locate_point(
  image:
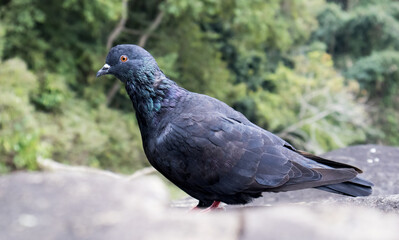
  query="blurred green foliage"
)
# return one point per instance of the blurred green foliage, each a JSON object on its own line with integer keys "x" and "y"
{"x": 19, "y": 129}
{"x": 320, "y": 111}
{"x": 318, "y": 73}
{"x": 363, "y": 38}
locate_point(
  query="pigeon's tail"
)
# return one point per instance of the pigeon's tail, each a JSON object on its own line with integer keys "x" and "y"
{"x": 356, "y": 187}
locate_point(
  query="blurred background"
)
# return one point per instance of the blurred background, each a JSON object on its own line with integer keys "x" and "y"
{"x": 320, "y": 74}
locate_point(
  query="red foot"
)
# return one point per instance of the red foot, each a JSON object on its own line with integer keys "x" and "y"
{"x": 214, "y": 205}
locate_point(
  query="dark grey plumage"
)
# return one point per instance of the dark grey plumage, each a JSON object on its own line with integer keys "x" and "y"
{"x": 211, "y": 151}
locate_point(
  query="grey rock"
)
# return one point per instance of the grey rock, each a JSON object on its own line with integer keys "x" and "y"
{"x": 305, "y": 222}
{"x": 389, "y": 203}
{"x": 380, "y": 164}
{"x": 67, "y": 205}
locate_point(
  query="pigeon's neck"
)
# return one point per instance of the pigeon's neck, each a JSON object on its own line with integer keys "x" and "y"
{"x": 150, "y": 93}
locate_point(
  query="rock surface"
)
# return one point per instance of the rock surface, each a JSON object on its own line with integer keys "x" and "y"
{"x": 68, "y": 205}
{"x": 321, "y": 222}
{"x": 380, "y": 164}
{"x": 90, "y": 205}
{"x": 388, "y": 203}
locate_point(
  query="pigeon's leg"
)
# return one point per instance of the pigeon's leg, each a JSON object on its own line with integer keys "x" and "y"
{"x": 214, "y": 206}
{"x": 206, "y": 206}
{"x": 209, "y": 207}
{"x": 203, "y": 205}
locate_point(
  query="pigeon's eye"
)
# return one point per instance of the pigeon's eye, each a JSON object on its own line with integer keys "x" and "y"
{"x": 123, "y": 58}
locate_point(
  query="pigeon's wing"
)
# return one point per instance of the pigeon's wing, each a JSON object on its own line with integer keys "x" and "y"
{"x": 218, "y": 154}
{"x": 326, "y": 162}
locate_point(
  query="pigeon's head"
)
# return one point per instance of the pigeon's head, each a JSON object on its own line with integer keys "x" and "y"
{"x": 128, "y": 62}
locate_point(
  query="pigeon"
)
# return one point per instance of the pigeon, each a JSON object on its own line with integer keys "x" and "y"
{"x": 211, "y": 151}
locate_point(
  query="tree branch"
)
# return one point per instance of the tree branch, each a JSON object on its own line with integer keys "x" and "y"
{"x": 306, "y": 121}
{"x": 142, "y": 41}
{"x": 132, "y": 31}
{"x": 154, "y": 25}
{"x": 111, "y": 38}
{"x": 112, "y": 92}
{"x": 120, "y": 26}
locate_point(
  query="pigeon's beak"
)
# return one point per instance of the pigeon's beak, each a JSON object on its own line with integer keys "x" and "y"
{"x": 103, "y": 70}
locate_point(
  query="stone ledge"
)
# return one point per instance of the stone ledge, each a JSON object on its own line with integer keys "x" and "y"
{"x": 67, "y": 205}
{"x": 90, "y": 204}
